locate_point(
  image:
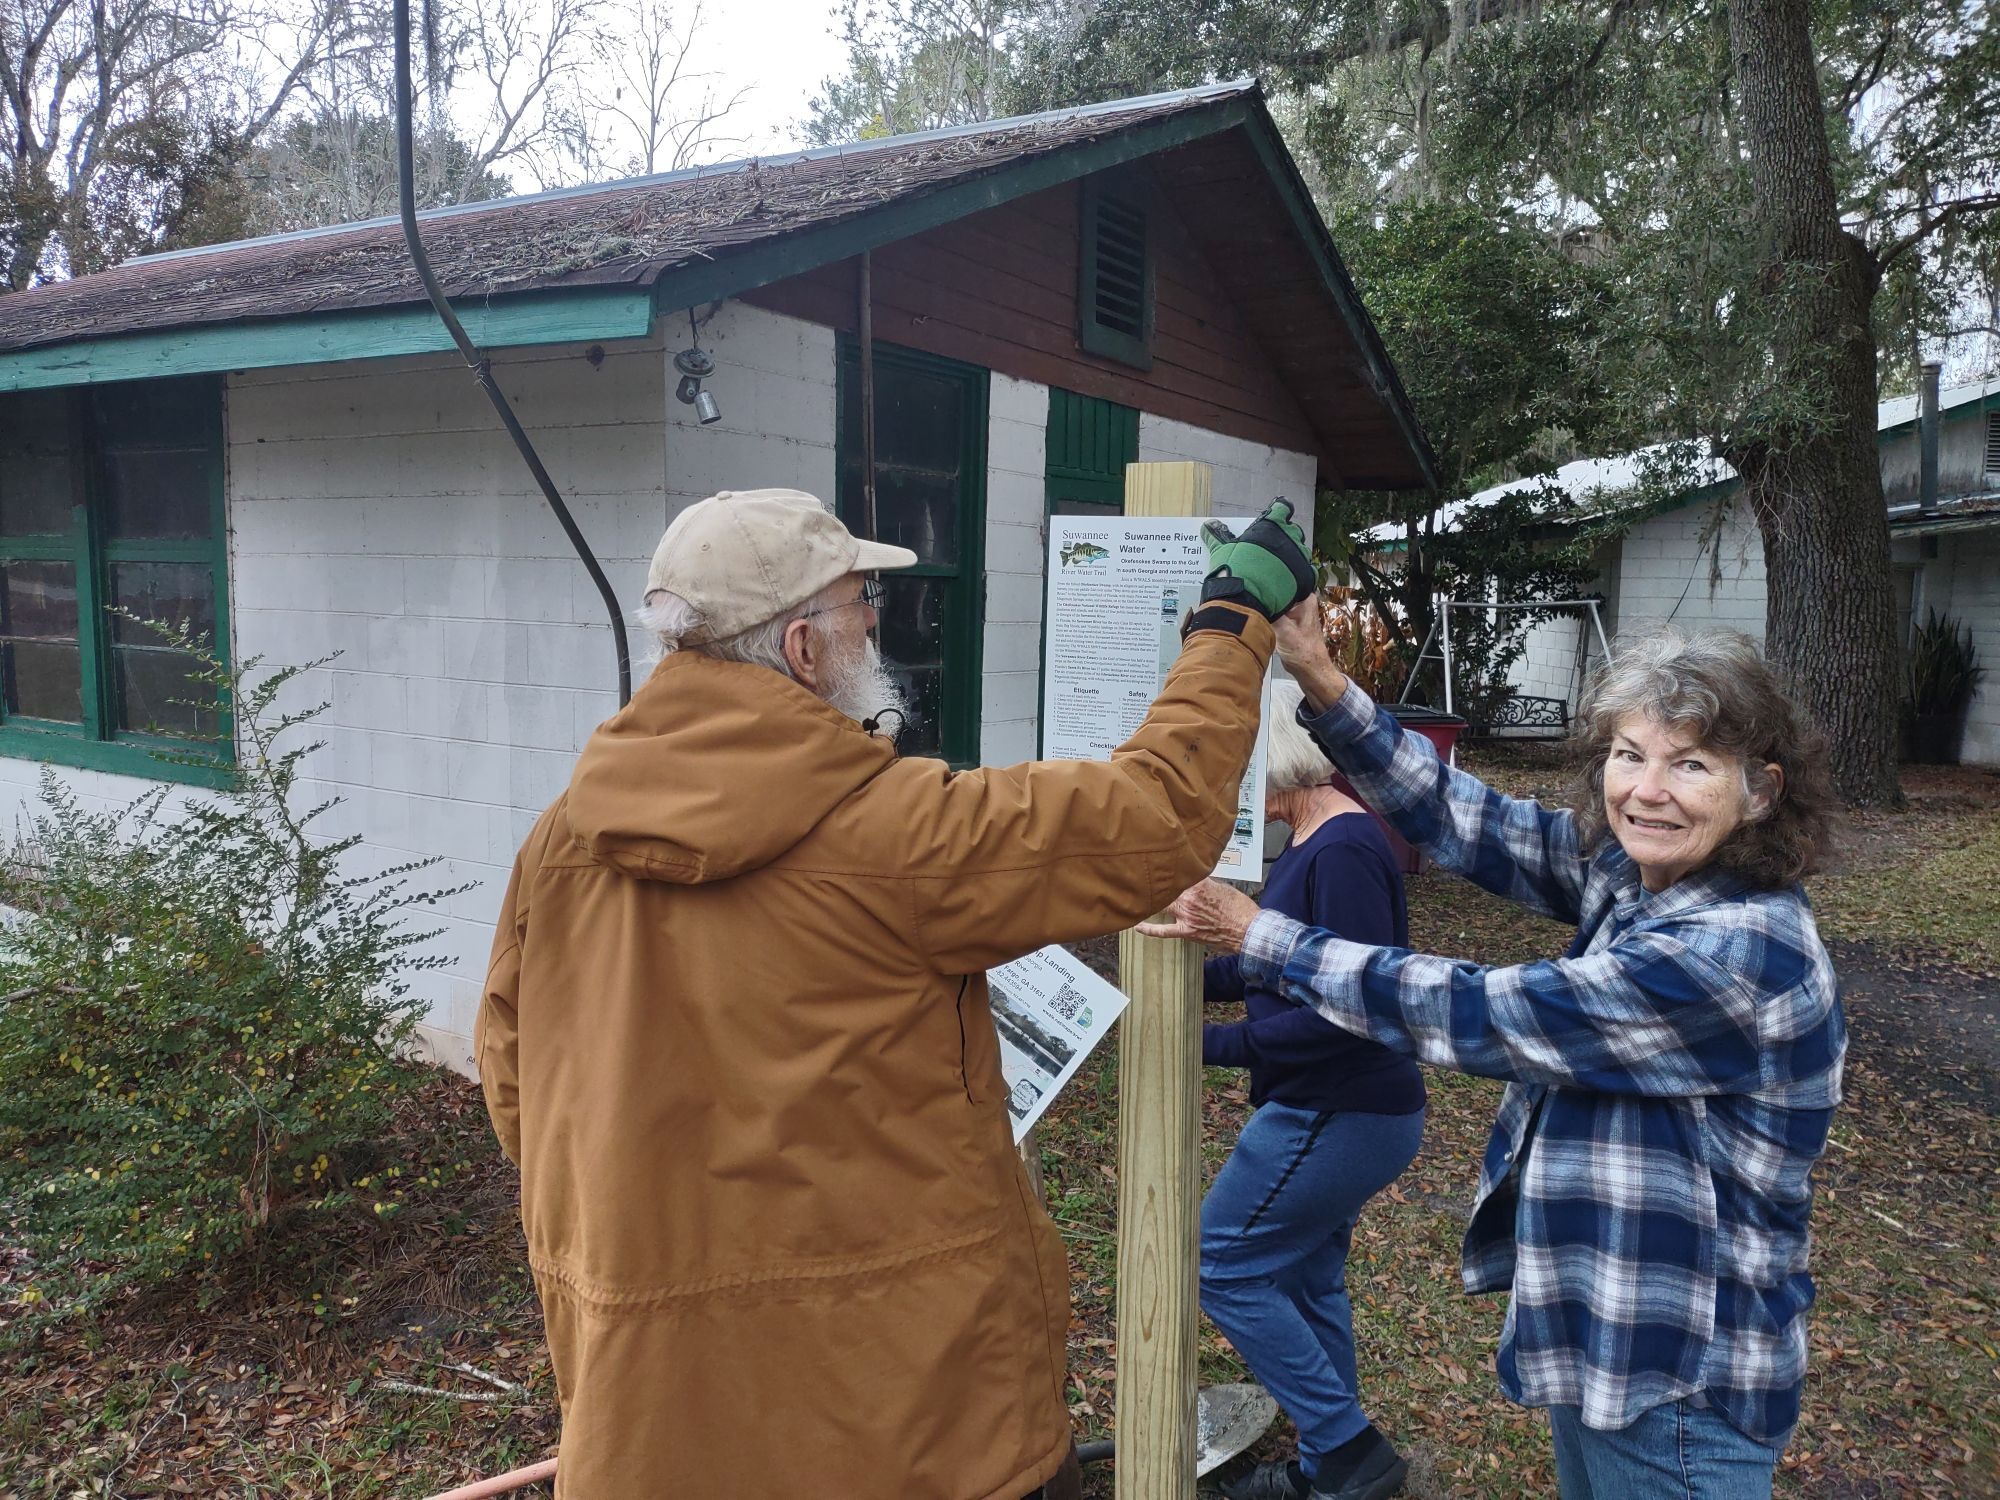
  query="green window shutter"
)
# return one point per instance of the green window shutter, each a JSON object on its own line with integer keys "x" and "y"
{"x": 1114, "y": 295}
{"x": 1090, "y": 441}
{"x": 141, "y": 467}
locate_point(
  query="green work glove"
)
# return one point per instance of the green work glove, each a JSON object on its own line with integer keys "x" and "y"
{"x": 1266, "y": 567}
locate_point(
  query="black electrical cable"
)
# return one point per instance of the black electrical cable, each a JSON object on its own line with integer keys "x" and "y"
{"x": 480, "y": 365}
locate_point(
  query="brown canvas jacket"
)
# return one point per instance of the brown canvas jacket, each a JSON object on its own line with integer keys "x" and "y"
{"x": 736, "y": 1035}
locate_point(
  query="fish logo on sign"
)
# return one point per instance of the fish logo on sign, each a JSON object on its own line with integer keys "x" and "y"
{"x": 1084, "y": 555}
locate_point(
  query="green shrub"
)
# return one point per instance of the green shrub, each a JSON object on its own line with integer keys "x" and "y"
{"x": 202, "y": 1015}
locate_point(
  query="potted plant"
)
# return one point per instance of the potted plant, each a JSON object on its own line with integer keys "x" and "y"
{"x": 1944, "y": 670}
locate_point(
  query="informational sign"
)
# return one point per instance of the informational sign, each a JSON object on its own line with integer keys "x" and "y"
{"x": 1050, "y": 1012}
{"x": 1119, "y": 587}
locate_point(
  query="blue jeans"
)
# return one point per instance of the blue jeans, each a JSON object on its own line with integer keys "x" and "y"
{"x": 1274, "y": 1235}
{"x": 1674, "y": 1452}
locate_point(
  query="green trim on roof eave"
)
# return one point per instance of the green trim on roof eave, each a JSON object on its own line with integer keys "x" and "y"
{"x": 593, "y": 314}
{"x": 771, "y": 260}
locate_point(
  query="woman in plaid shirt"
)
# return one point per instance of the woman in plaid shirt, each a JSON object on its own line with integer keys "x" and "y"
{"x": 1672, "y": 1077}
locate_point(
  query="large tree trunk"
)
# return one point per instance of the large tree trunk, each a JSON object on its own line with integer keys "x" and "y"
{"x": 1814, "y": 485}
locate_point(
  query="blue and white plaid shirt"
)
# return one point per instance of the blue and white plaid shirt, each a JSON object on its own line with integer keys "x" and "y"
{"x": 1672, "y": 1080}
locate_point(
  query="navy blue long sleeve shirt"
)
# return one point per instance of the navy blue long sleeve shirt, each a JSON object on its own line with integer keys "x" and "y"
{"x": 1343, "y": 879}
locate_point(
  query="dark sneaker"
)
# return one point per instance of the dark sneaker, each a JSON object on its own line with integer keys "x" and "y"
{"x": 1281, "y": 1479}
{"x": 1376, "y": 1477}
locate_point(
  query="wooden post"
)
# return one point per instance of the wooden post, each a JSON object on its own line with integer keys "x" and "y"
{"x": 1159, "y": 1151}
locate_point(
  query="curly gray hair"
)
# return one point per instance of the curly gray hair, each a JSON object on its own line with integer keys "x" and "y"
{"x": 1717, "y": 689}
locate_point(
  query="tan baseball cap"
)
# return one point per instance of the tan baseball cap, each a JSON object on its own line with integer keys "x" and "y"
{"x": 742, "y": 557}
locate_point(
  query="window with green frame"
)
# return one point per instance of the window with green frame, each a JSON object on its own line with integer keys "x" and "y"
{"x": 930, "y": 496}
{"x": 111, "y": 503}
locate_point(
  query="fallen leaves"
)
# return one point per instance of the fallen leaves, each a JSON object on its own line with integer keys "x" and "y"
{"x": 287, "y": 1385}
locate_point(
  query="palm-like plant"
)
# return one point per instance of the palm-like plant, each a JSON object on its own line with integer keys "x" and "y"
{"x": 1943, "y": 667}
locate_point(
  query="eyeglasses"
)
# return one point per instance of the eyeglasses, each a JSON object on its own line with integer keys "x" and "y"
{"x": 874, "y": 594}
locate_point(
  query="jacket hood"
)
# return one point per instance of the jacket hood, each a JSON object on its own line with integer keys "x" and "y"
{"x": 715, "y": 768}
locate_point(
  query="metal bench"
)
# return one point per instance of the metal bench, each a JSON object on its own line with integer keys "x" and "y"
{"x": 1526, "y": 716}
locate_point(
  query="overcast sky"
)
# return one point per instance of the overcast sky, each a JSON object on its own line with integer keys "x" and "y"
{"x": 780, "y": 50}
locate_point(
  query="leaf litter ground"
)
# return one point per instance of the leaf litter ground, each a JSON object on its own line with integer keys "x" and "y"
{"x": 400, "y": 1357}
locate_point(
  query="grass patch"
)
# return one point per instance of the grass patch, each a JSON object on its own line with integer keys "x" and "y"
{"x": 282, "y": 1388}
{"x": 284, "y": 1385}
{"x": 1924, "y": 884}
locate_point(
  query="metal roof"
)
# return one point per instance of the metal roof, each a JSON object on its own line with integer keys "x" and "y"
{"x": 1901, "y": 411}
{"x": 1979, "y": 511}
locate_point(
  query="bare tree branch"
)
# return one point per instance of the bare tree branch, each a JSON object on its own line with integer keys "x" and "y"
{"x": 668, "y": 108}
{"x": 114, "y": 113}
{"x": 1933, "y": 218}
{"x": 501, "y": 36}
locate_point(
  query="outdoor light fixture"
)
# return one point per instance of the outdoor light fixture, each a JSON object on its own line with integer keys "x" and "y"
{"x": 696, "y": 365}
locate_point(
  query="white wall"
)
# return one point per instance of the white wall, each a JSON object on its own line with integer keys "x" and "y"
{"x": 774, "y": 380}
{"x": 1248, "y": 476}
{"x": 1016, "y": 490}
{"x": 1961, "y": 458}
{"x": 1553, "y": 659}
{"x": 376, "y": 509}
{"x": 1963, "y": 581}
{"x": 1697, "y": 567}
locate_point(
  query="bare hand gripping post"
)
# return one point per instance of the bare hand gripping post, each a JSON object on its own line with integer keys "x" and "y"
{"x": 480, "y": 365}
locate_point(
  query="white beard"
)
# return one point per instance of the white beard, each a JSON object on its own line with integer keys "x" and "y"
{"x": 862, "y": 688}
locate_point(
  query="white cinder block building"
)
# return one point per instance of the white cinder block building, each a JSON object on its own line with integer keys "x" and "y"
{"x": 1698, "y": 561}
{"x": 266, "y": 438}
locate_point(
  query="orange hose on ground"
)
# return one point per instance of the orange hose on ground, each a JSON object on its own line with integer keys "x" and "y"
{"x": 502, "y": 1484}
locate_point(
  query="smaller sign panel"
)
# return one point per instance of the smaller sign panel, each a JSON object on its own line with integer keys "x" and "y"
{"x": 1050, "y": 1011}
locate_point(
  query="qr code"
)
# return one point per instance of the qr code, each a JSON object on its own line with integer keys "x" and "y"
{"x": 1067, "y": 1001}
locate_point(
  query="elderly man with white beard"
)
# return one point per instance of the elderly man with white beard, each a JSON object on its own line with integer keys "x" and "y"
{"x": 736, "y": 1033}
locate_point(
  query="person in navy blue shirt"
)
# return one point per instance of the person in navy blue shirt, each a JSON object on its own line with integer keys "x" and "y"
{"x": 1338, "y": 1118}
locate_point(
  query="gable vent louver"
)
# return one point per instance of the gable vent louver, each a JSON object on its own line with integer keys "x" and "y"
{"x": 1993, "y": 443}
{"x": 1119, "y": 300}
{"x": 1116, "y": 293}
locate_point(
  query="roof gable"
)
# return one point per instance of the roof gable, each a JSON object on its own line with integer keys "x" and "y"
{"x": 618, "y": 234}
{"x": 699, "y": 235}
